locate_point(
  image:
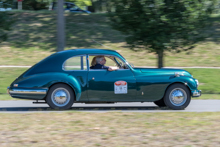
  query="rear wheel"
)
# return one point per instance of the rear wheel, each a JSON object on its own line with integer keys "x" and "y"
{"x": 177, "y": 97}
{"x": 60, "y": 96}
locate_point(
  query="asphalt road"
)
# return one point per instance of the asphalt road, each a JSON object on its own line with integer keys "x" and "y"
{"x": 27, "y": 107}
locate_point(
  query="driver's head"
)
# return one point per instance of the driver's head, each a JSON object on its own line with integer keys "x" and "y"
{"x": 100, "y": 60}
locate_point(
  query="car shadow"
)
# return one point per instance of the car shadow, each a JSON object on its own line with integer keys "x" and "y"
{"x": 107, "y": 108}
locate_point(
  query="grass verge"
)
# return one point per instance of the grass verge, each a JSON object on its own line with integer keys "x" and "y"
{"x": 208, "y": 78}
{"x": 33, "y": 37}
{"x": 7, "y": 76}
{"x": 110, "y": 129}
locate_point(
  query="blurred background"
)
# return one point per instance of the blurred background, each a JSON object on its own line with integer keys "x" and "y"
{"x": 187, "y": 38}
{"x": 156, "y": 34}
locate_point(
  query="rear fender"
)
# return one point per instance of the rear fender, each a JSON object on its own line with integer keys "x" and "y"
{"x": 46, "y": 80}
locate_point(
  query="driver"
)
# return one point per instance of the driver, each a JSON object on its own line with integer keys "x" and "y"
{"x": 100, "y": 63}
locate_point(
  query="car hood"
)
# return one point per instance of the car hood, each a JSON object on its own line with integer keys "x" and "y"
{"x": 165, "y": 71}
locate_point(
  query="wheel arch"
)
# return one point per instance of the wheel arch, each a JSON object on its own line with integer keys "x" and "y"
{"x": 71, "y": 86}
{"x": 176, "y": 83}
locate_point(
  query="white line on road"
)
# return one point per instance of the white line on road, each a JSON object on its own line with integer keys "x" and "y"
{"x": 9, "y": 66}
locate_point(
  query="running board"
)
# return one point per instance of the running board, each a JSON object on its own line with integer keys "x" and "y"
{"x": 100, "y": 103}
{"x": 39, "y": 102}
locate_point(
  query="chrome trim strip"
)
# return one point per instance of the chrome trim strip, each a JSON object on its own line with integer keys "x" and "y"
{"x": 22, "y": 91}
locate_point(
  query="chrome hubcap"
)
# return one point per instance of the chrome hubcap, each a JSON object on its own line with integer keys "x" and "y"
{"x": 60, "y": 97}
{"x": 178, "y": 96}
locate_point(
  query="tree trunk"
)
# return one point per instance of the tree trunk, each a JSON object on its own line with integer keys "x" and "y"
{"x": 160, "y": 58}
{"x": 60, "y": 26}
{"x": 93, "y": 6}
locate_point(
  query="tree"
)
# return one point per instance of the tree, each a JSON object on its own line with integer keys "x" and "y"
{"x": 159, "y": 25}
{"x": 102, "y": 5}
{"x": 35, "y": 4}
{"x": 6, "y": 20}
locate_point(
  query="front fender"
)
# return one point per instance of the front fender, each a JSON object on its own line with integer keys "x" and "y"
{"x": 189, "y": 81}
{"x": 46, "y": 80}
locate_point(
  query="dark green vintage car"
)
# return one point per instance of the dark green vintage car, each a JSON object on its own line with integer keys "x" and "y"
{"x": 65, "y": 78}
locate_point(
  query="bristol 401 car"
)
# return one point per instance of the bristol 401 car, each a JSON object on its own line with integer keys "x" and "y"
{"x": 102, "y": 76}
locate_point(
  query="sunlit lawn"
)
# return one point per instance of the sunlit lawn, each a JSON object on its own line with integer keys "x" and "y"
{"x": 7, "y": 76}
{"x": 209, "y": 79}
{"x": 33, "y": 37}
{"x": 110, "y": 129}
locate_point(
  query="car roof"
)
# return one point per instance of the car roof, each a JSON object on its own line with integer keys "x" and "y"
{"x": 87, "y": 51}
{"x": 54, "y": 62}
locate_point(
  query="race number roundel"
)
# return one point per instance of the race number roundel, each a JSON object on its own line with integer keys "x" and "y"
{"x": 121, "y": 87}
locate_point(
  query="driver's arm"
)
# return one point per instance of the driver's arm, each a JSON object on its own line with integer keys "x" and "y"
{"x": 110, "y": 69}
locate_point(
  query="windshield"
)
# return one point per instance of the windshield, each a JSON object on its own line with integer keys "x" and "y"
{"x": 126, "y": 60}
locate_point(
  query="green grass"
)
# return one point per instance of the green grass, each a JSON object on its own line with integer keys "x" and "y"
{"x": 112, "y": 129}
{"x": 208, "y": 78}
{"x": 33, "y": 37}
{"x": 7, "y": 76}
{"x": 7, "y": 97}
{"x": 209, "y": 97}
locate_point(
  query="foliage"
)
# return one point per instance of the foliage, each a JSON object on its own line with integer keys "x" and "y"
{"x": 35, "y": 4}
{"x": 6, "y": 20}
{"x": 102, "y": 5}
{"x": 81, "y": 3}
{"x": 159, "y": 25}
{"x": 43, "y": 4}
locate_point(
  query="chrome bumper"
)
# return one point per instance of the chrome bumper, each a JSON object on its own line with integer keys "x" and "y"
{"x": 22, "y": 91}
{"x": 197, "y": 93}
{"x": 27, "y": 93}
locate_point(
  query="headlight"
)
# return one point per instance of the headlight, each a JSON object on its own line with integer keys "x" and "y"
{"x": 197, "y": 82}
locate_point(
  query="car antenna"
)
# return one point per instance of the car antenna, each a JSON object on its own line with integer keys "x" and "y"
{"x": 100, "y": 43}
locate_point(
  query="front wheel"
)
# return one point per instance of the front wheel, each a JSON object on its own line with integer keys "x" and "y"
{"x": 177, "y": 97}
{"x": 60, "y": 96}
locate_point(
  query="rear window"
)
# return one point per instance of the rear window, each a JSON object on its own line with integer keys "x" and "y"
{"x": 75, "y": 63}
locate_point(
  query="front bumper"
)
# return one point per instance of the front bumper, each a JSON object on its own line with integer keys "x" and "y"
{"x": 27, "y": 93}
{"x": 196, "y": 93}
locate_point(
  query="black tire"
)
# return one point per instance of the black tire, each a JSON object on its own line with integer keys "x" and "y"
{"x": 160, "y": 103}
{"x": 177, "y": 97}
{"x": 60, "y": 96}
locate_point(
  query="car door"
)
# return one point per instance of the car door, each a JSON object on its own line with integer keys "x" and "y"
{"x": 118, "y": 85}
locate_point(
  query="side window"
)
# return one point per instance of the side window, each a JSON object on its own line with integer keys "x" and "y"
{"x": 110, "y": 62}
{"x": 75, "y": 63}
